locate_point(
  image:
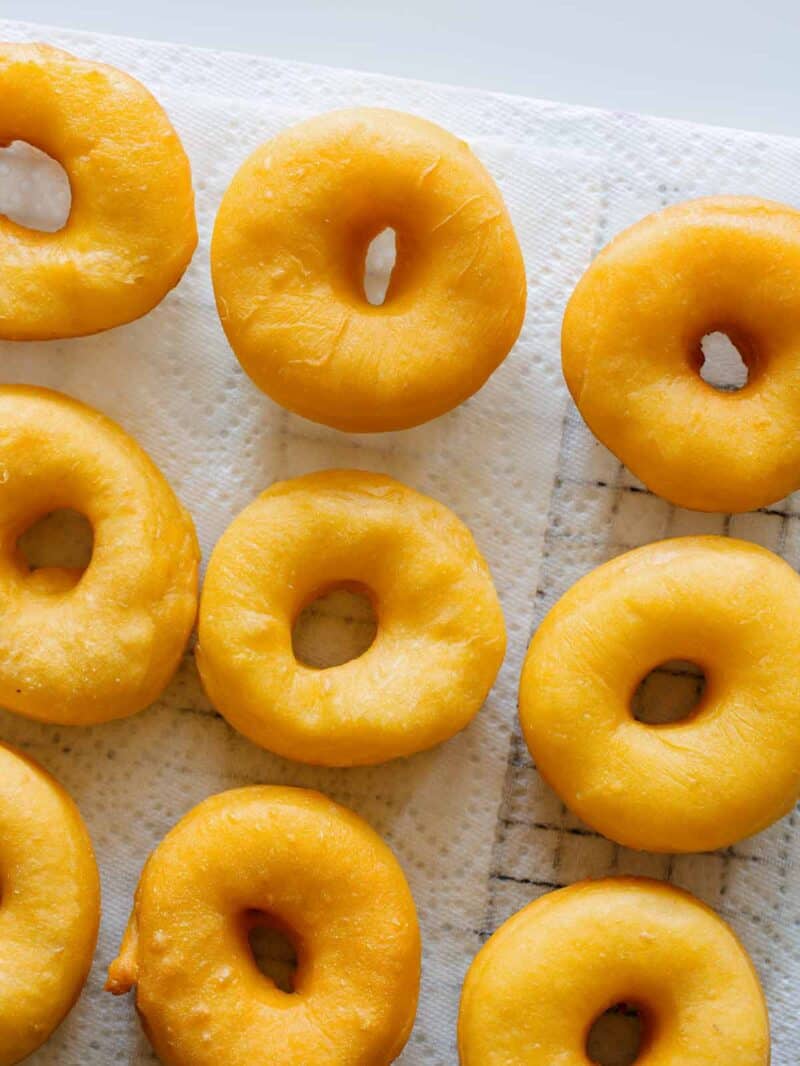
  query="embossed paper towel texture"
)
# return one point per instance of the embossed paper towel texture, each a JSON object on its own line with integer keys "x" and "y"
{"x": 477, "y": 832}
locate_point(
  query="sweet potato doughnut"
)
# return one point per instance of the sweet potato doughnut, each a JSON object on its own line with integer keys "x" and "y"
{"x": 535, "y": 988}
{"x": 316, "y": 870}
{"x": 631, "y": 351}
{"x": 104, "y": 647}
{"x": 131, "y": 230}
{"x": 728, "y": 770}
{"x": 288, "y": 254}
{"x": 440, "y": 640}
{"x": 50, "y": 905}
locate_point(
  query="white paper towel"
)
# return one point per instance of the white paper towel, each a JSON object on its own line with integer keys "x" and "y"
{"x": 477, "y": 832}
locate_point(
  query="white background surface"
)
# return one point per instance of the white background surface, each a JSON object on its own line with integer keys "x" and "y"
{"x": 729, "y": 62}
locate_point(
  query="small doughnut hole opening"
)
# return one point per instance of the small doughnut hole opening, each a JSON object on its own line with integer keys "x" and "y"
{"x": 616, "y": 1037}
{"x": 34, "y": 188}
{"x": 337, "y": 626}
{"x": 274, "y": 950}
{"x": 722, "y": 365}
{"x": 378, "y": 266}
{"x": 57, "y": 548}
{"x": 669, "y": 693}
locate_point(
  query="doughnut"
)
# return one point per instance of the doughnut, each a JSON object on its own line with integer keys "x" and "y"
{"x": 537, "y": 986}
{"x": 292, "y": 859}
{"x": 50, "y": 905}
{"x": 631, "y": 351}
{"x": 79, "y": 648}
{"x": 288, "y": 255}
{"x": 729, "y": 769}
{"x": 440, "y": 638}
{"x": 131, "y": 230}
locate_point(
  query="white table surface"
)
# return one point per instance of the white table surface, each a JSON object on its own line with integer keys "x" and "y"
{"x": 729, "y": 62}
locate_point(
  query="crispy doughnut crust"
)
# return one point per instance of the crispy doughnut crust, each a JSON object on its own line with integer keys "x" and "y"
{"x": 311, "y": 867}
{"x": 631, "y": 351}
{"x": 440, "y": 640}
{"x": 536, "y": 987}
{"x": 106, "y": 646}
{"x": 287, "y": 259}
{"x": 50, "y": 905}
{"x": 131, "y": 230}
{"x": 728, "y": 770}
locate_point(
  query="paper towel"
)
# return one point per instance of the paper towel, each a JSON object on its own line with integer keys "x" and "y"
{"x": 476, "y": 830}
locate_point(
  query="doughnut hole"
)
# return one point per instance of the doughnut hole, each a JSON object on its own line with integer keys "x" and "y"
{"x": 34, "y": 188}
{"x": 379, "y": 263}
{"x": 671, "y": 692}
{"x": 725, "y": 363}
{"x": 274, "y": 948}
{"x": 617, "y": 1037}
{"x": 338, "y": 625}
{"x": 56, "y": 549}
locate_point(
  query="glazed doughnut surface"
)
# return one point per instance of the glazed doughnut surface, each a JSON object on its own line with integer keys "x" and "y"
{"x": 728, "y": 770}
{"x": 78, "y": 649}
{"x": 288, "y": 255}
{"x": 440, "y": 639}
{"x": 131, "y": 230}
{"x": 50, "y": 905}
{"x": 317, "y": 870}
{"x": 631, "y": 351}
{"x": 537, "y": 985}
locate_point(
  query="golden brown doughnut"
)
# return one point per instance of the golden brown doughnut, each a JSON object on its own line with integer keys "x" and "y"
{"x": 288, "y": 254}
{"x": 131, "y": 230}
{"x": 631, "y": 351}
